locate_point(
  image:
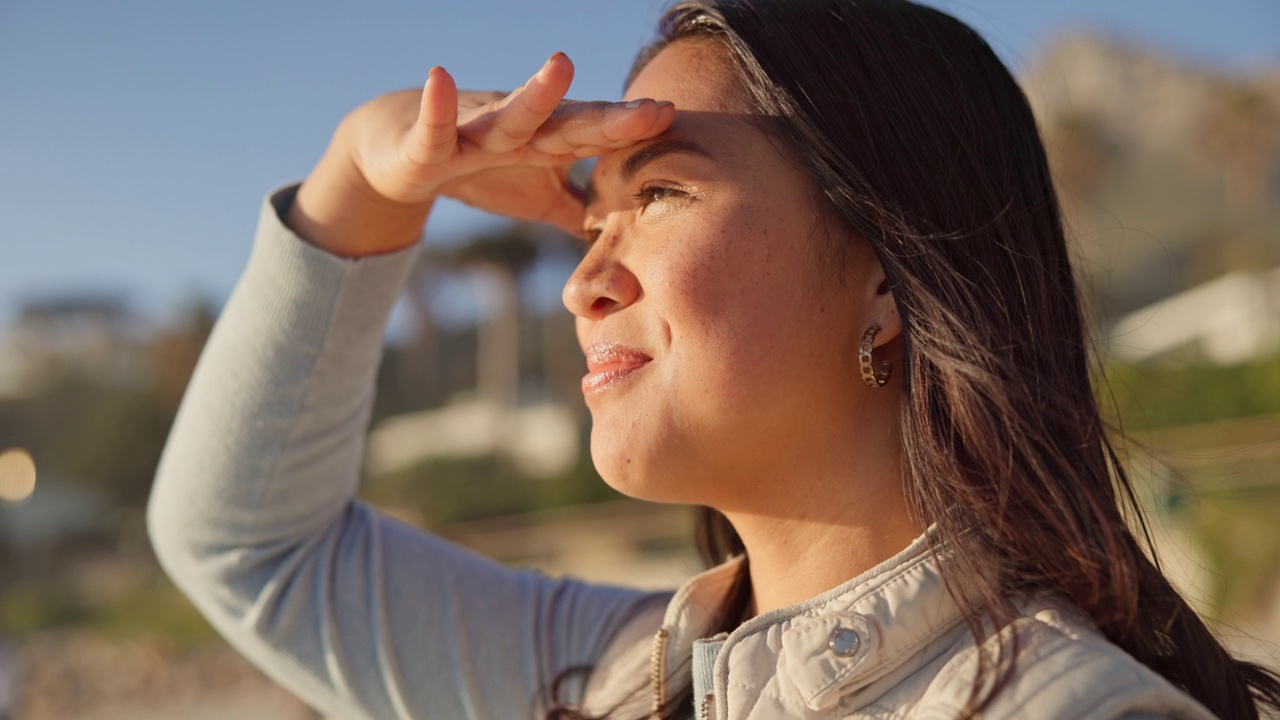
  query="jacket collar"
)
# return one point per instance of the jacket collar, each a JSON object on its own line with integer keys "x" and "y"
{"x": 854, "y": 639}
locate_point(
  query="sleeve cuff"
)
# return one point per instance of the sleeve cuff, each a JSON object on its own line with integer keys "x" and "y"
{"x": 308, "y": 289}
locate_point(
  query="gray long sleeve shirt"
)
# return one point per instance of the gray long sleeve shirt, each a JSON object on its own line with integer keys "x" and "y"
{"x": 254, "y": 516}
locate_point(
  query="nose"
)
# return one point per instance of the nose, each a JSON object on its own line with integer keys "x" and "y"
{"x": 601, "y": 284}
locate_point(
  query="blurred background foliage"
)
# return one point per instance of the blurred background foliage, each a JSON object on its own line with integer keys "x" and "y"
{"x": 1170, "y": 178}
{"x": 1160, "y": 394}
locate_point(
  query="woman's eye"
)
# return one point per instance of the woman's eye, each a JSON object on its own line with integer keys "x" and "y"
{"x": 653, "y": 193}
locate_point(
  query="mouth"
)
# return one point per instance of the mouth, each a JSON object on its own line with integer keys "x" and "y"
{"x": 608, "y": 364}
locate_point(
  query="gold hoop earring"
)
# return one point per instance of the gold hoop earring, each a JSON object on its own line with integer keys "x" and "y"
{"x": 869, "y": 374}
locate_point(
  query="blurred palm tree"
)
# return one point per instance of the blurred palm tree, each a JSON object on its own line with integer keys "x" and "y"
{"x": 502, "y": 257}
{"x": 418, "y": 372}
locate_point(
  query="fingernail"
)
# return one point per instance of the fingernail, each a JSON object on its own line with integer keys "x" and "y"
{"x": 665, "y": 104}
{"x": 554, "y": 55}
{"x": 635, "y": 104}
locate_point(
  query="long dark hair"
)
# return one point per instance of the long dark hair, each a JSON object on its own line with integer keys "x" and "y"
{"x": 918, "y": 140}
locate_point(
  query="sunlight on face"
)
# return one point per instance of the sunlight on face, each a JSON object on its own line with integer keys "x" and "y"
{"x": 718, "y": 357}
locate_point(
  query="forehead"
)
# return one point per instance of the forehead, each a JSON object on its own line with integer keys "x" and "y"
{"x": 699, "y": 77}
{"x": 695, "y": 74}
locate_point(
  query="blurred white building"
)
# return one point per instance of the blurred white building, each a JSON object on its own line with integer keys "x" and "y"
{"x": 542, "y": 439}
{"x": 1233, "y": 319}
{"x": 94, "y": 335}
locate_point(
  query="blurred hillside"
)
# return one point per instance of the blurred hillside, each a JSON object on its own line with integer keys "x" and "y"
{"x": 1169, "y": 172}
{"x": 1170, "y": 178}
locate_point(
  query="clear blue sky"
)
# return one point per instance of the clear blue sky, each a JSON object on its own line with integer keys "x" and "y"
{"x": 137, "y": 138}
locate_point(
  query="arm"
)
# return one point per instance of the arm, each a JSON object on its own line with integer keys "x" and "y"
{"x": 253, "y": 516}
{"x": 253, "y": 511}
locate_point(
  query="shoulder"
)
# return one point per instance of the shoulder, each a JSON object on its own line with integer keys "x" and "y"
{"x": 1065, "y": 668}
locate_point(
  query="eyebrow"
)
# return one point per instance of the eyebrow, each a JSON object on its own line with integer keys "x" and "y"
{"x": 645, "y": 155}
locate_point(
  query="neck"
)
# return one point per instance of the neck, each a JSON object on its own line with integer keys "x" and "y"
{"x": 794, "y": 560}
{"x": 831, "y": 527}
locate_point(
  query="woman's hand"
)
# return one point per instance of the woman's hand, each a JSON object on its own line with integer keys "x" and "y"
{"x": 510, "y": 155}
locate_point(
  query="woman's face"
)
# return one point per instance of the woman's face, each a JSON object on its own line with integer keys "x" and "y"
{"x": 720, "y": 351}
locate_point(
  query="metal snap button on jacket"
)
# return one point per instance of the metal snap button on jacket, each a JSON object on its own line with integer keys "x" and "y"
{"x": 844, "y": 642}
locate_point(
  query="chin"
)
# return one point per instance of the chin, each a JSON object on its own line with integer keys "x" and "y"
{"x": 623, "y": 474}
{"x": 632, "y": 475}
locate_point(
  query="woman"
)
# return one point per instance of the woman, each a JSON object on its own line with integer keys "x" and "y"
{"x": 825, "y": 293}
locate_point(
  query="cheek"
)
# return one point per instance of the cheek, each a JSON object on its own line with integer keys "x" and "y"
{"x": 734, "y": 295}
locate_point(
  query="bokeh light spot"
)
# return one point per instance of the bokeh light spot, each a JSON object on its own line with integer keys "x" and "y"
{"x": 17, "y": 475}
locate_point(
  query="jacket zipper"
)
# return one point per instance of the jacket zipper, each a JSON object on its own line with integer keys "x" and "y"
{"x": 706, "y": 707}
{"x": 658, "y": 672}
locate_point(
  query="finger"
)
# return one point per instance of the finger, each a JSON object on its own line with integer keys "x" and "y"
{"x": 514, "y": 120}
{"x": 565, "y": 209}
{"x": 585, "y": 129}
{"x": 434, "y": 136}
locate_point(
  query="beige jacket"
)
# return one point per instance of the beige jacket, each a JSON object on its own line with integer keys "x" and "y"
{"x": 887, "y": 644}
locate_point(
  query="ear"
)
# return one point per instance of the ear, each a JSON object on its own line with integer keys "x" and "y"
{"x": 882, "y": 310}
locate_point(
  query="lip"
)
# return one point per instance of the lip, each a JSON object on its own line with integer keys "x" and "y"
{"x": 609, "y": 364}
